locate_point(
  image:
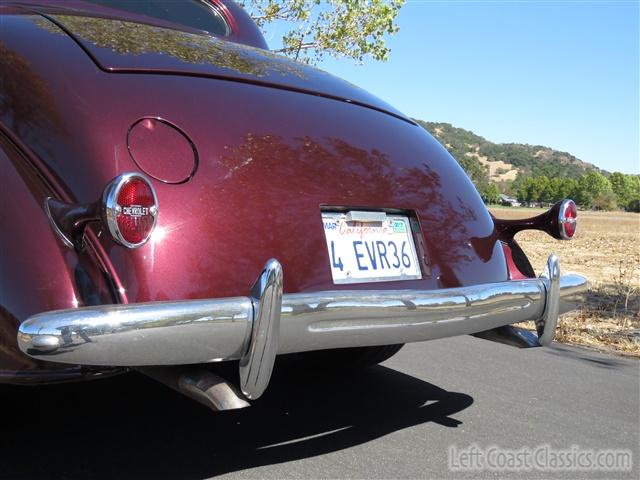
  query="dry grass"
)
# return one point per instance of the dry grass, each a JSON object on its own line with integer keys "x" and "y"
{"x": 606, "y": 249}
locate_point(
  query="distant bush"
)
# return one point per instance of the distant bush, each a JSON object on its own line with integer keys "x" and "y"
{"x": 634, "y": 206}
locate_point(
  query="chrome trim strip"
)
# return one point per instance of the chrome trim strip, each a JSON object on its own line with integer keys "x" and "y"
{"x": 255, "y": 329}
{"x": 256, "y": 364}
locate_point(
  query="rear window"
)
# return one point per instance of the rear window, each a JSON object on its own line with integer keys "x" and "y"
{"x": 198, "y": 14}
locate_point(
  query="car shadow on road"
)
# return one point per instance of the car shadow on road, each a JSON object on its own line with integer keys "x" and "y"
{"x": 133, "y": 427}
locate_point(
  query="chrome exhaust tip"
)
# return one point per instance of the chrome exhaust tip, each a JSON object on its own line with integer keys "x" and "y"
{"x": 199, "y": 384}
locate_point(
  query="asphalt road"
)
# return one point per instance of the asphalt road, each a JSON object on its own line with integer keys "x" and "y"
{"x": 393, "y": 421}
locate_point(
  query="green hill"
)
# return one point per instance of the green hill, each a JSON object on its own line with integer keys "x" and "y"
{"x": 502, "y": 162}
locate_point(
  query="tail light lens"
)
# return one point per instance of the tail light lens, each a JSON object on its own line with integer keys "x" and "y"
{"x": 130, "y": 209}
{"x": 567, "y": 219}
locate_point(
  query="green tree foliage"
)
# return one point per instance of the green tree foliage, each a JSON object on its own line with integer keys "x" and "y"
{"x": 340, "y": 28}
{"x": 626, "y": 189}
{"x": 591, "y": 187}
{"x": 457, "y": 141}
{"x": 533, "y": 189}
{"x": 490, "y": 193}
{"x": 568, "y": 188}
{"x": 592, "y": 190}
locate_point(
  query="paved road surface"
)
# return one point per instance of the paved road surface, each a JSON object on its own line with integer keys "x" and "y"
{"x": 393, "y": 421}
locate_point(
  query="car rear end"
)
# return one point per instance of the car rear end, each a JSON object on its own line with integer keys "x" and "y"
{"x": 291, "y": 211}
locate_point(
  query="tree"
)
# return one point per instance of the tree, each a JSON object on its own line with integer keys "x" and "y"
{"x": 605, "y": 201}
{"x": 568, "y": 189}
{"x": 592, "y": 190}
{"x": 521, "y": 187}
{"x": 634, "y": 205}
{"x": 340, "y": 28}
{"x": 590, "y": 187}
{"x": 554, "y": 190}
{"x": 625, "y": 187}
{"x": 545, "y": 190}
{"x": 534, "y": 189}
{"x": 491, "y": 193}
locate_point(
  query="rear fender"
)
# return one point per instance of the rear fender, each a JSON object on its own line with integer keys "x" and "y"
{"x": 37, "y": 272}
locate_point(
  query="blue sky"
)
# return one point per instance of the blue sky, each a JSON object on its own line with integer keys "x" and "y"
{"x": 563, "y": 74}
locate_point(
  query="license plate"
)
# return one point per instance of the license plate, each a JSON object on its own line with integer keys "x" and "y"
{"x": 370, "y": 247}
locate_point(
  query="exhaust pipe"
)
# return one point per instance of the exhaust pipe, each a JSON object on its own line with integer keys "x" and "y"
{"x": 509, "y": 335}
{"x": 200, "y": 385}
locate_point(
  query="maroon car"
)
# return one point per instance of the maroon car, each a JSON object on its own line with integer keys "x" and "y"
{"x": 174, "y": 195}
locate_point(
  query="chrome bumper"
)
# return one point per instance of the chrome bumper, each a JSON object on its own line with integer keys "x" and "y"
{"x": 254, "y": 329}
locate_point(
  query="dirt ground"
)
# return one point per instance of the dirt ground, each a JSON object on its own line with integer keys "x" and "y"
{"x": 606, "y": 249}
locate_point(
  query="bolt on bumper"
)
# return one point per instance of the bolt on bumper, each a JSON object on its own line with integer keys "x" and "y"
{"x": 255, "y": 329}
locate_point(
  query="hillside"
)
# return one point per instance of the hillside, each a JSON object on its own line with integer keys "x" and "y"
{"x": 502, "y": 162}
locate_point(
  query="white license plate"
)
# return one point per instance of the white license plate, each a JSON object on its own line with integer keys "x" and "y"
{"x": 378, "y": 249}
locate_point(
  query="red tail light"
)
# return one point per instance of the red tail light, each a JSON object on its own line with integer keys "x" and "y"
{"x": 567, "y": 219}
{"x": 130, "y": 209}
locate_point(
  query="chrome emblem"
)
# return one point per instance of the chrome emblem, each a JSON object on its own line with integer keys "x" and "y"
{"x": 135, "y": 211}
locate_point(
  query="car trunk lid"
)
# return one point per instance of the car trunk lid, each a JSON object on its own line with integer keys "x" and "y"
{"x": 123, "y": 46}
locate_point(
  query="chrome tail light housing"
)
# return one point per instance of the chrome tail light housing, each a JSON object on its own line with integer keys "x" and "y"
{"x": 567, "y": 219}
{"x": 130, "y": 209}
